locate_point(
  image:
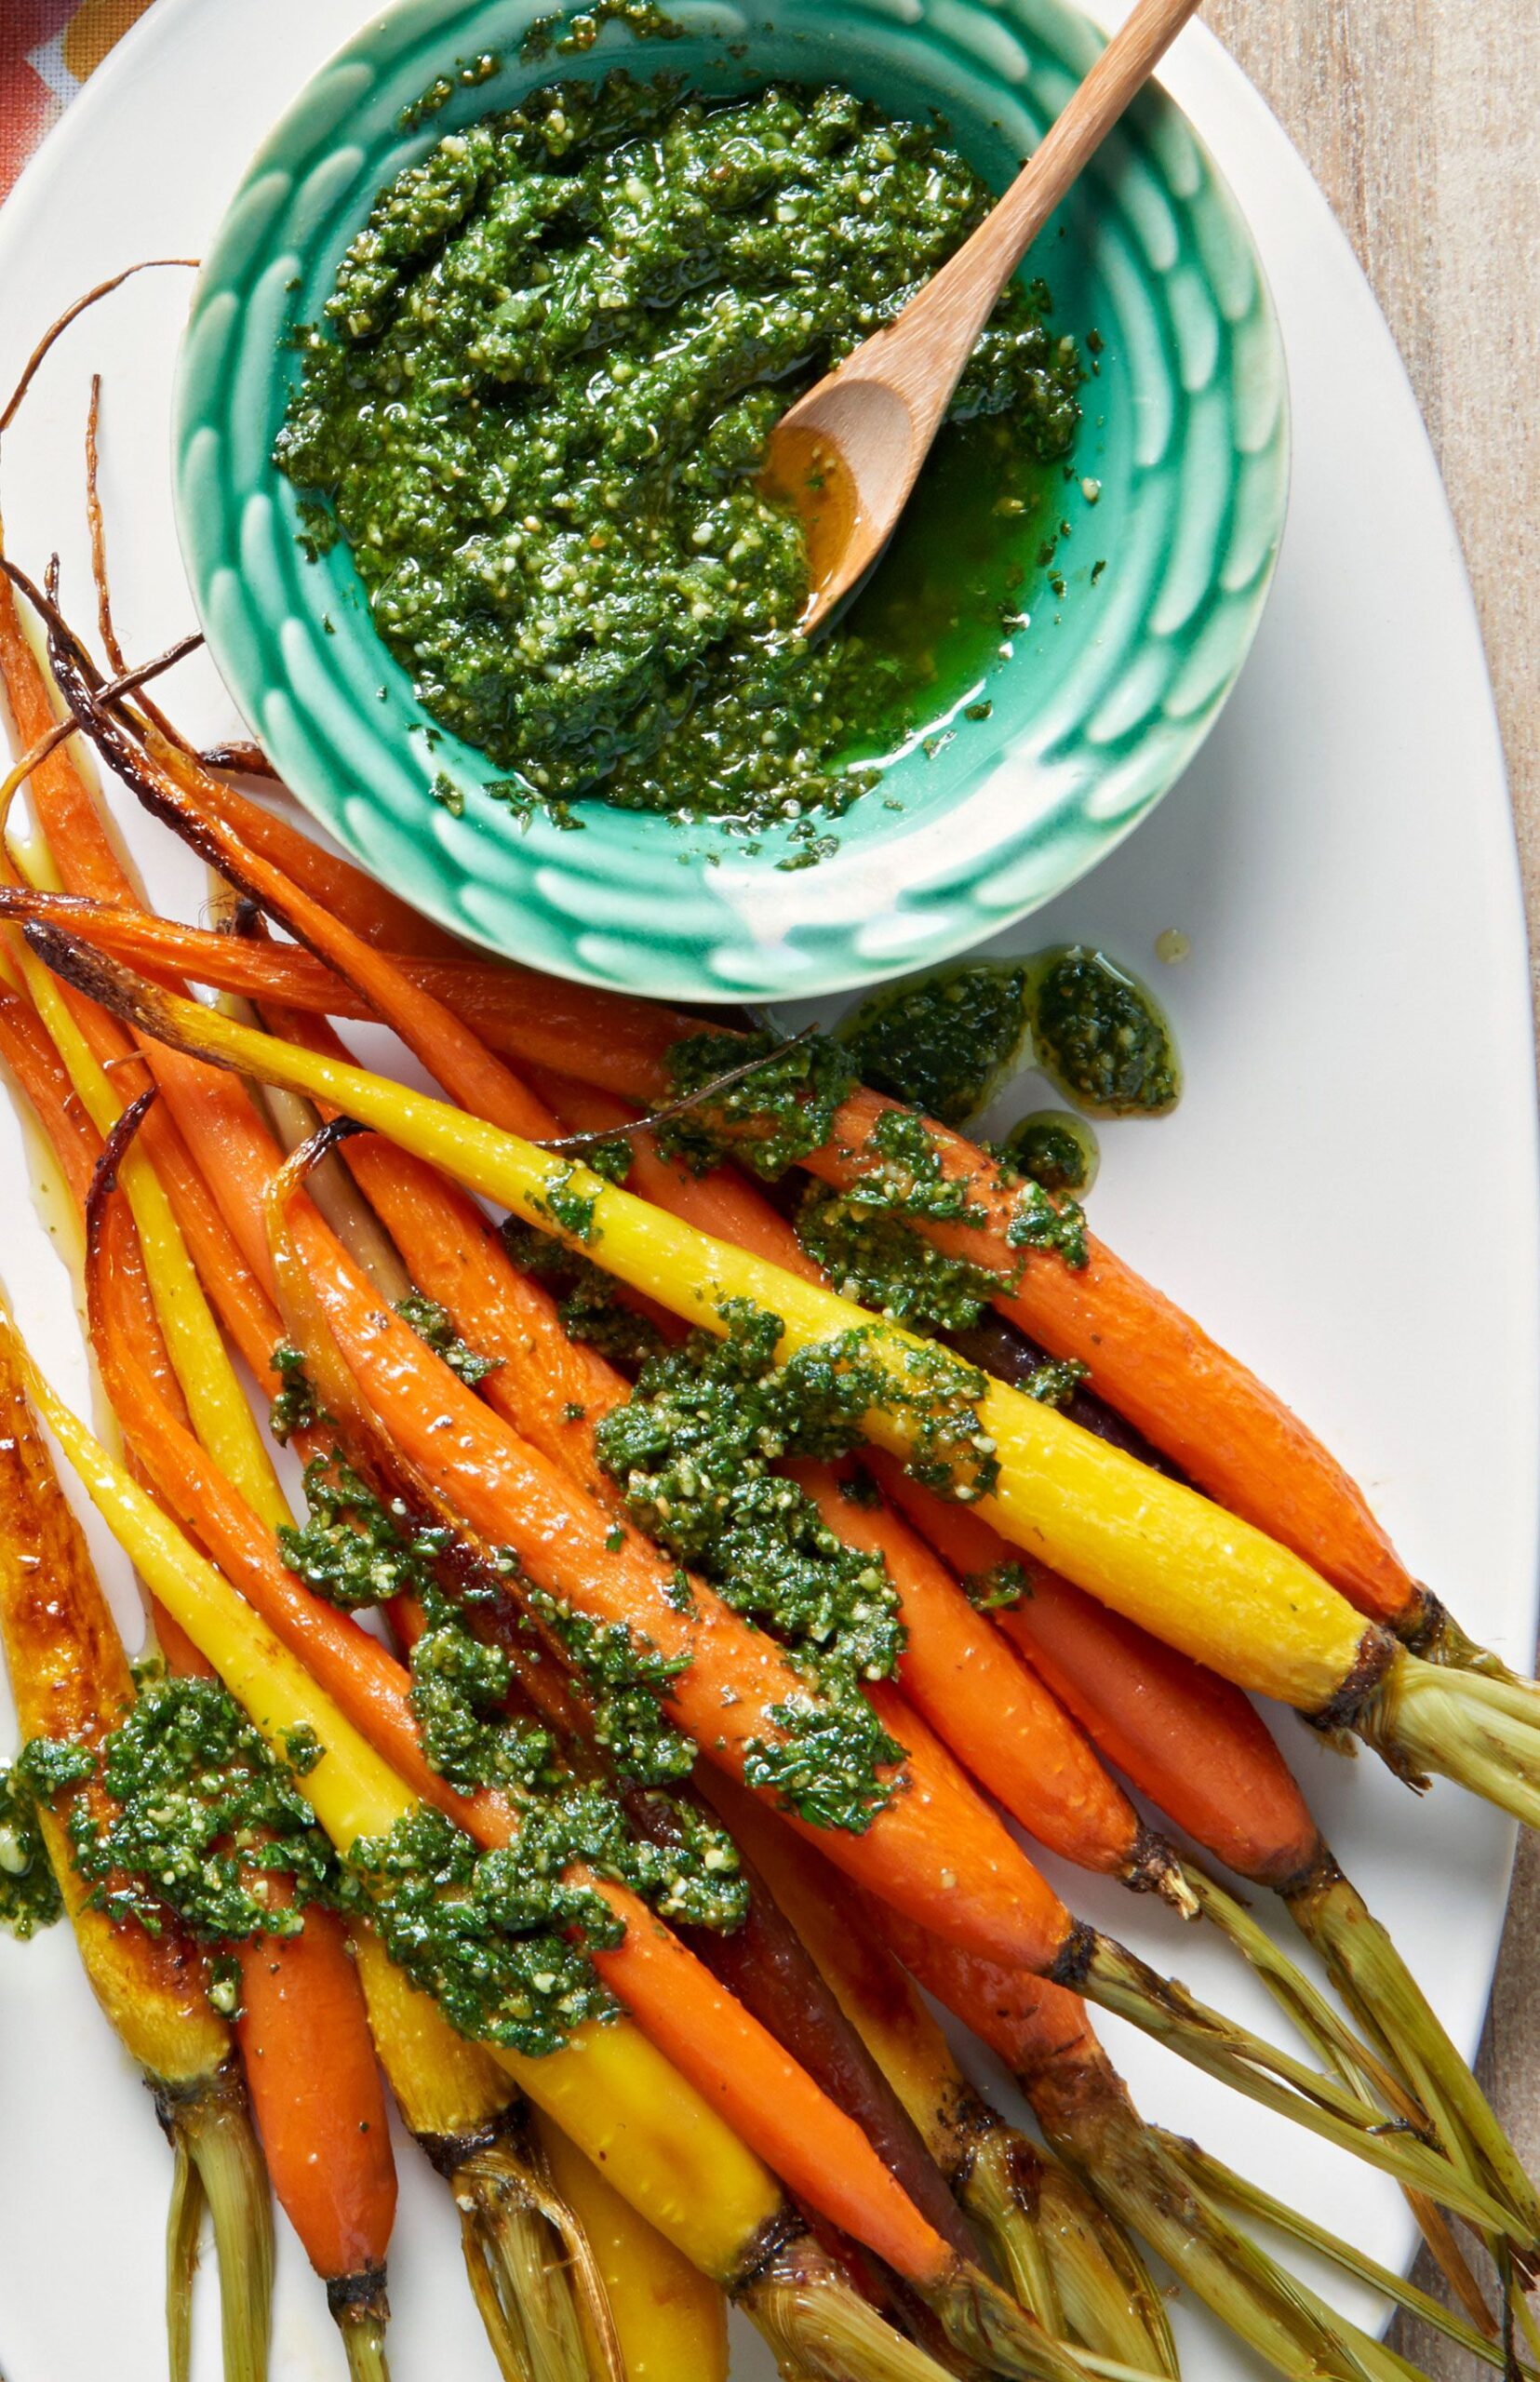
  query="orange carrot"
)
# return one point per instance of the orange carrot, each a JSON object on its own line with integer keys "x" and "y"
{"x": 980, "y": 1702}
{"x": 1153, "y": 1364}
{"x": 313, "y": 2081}
{"x": 722, "y": 1202}
{"x": 993, "y": 1713}
{"x": 320, "y": 2105}
{"x": 550, "y": 1387}
{"x": 500, "y": 1002}
{"x": 369, "y": 908}
{"x": 1186, "y": 1737}
{"x": 174, "y": 788}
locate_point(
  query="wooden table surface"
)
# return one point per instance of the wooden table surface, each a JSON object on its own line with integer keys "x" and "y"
{"x": 1421, "y": 121}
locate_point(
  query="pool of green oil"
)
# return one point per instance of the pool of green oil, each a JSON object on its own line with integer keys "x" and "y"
{"x": 970, "y": 556}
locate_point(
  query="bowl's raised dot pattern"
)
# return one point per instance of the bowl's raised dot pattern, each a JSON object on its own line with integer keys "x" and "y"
{"x": 1112, "y": 688}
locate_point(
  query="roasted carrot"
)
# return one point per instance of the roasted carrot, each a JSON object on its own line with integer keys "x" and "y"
{"x": 657, "y": 1252}
{"x": 292, "y": 977}
{"x": 70, "y": 1678}
{"x": 989, "y": 1708}
{"x": 1191, "y": 1398}
{"x": 976, "y": 1697}
{"x": 935, "y": 1850}
{"x": 718, "y": 2203}
{"x": 1199, "y": 1750}
{"x": 1066, "y": 2257}
{"x": 313, "y": 2082}
{"x": 437, "y": 1030}
{"x": 534, "y": 2275}
{"x": 1190, "y": 1395}
{"x": 321, "y": 2115}
{"x": 764, "y": 1964}
{"x": 670, "y": 2321}
{"x": 316, "y": 2093}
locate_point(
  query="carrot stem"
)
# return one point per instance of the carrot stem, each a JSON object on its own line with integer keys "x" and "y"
{"x": 1221, "y": 2183}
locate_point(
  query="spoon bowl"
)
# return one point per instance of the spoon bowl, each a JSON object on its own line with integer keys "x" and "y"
{"x": 872, "y": 419}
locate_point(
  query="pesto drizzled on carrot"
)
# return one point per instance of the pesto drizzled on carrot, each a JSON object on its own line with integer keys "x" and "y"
{"x": 865, "y": 1239}
{"x": 30, "y": 1899}
{"x": 537, "y": 407}
{"x": 693, "y": 1450}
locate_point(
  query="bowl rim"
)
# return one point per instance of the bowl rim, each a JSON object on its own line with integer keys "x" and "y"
{"x": 645, "y": 967}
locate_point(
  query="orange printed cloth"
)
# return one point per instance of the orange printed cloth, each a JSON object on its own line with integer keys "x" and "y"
{"x": 47, "y": 48}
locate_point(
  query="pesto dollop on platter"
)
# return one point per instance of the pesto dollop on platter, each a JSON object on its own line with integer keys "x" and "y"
{"x": 537, "y": 409}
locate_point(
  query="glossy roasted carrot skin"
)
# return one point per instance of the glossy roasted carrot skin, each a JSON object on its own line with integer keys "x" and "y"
{"x": 1191, "y": 1397}
{"x": 978, "y": 1698}
{"x": 670, "y": 2320}
{"x": 312, "y": 2075}
{"x": 1195, "y": 1745}
{"x": 174, "y": 788}
{"x": 316, "y": 2094}
{"x": 765, "y": 1964}
{"x": 292, "y": 977}
{"x": 70, "y": 1677}
{"x": 1152, "y": 1547}
{"x": 1149, "y": 1360}
{"x": 721, "y": 1202}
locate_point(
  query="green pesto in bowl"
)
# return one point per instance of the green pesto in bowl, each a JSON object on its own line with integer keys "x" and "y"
{"x": 538, "y": 409}
{"x": 1069, "y": 656}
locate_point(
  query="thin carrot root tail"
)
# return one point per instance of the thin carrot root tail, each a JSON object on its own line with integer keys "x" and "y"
{"x": 210, "y": 2127}
{"x": 532, "y": 2272}
{"x": 1483, "y": 1732}
{"x": 362, "y": 2310}
{"x": 183, "y": 2224}
{"x": 1389, "y": 2004}
{"x": 1115, "y": 1979}
{"x": 1109, "y": 2299}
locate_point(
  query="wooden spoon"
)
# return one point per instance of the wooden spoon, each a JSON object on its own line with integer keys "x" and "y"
{"x": 848, "y": 454}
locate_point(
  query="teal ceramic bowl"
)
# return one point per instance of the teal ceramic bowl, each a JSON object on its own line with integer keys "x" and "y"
{"x": 1096, "y": 706}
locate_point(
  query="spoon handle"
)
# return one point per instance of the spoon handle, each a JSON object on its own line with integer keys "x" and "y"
{"x": 1123, "y": 68}
{"x": 954, "y": 307}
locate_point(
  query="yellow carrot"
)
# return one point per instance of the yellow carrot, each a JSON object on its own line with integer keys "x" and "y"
{"x": 670, "y": 2321}
{"x": 217, "y": 1403}
{"x": 533, "y": 2273}
{"x": 71, "y": 1679}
